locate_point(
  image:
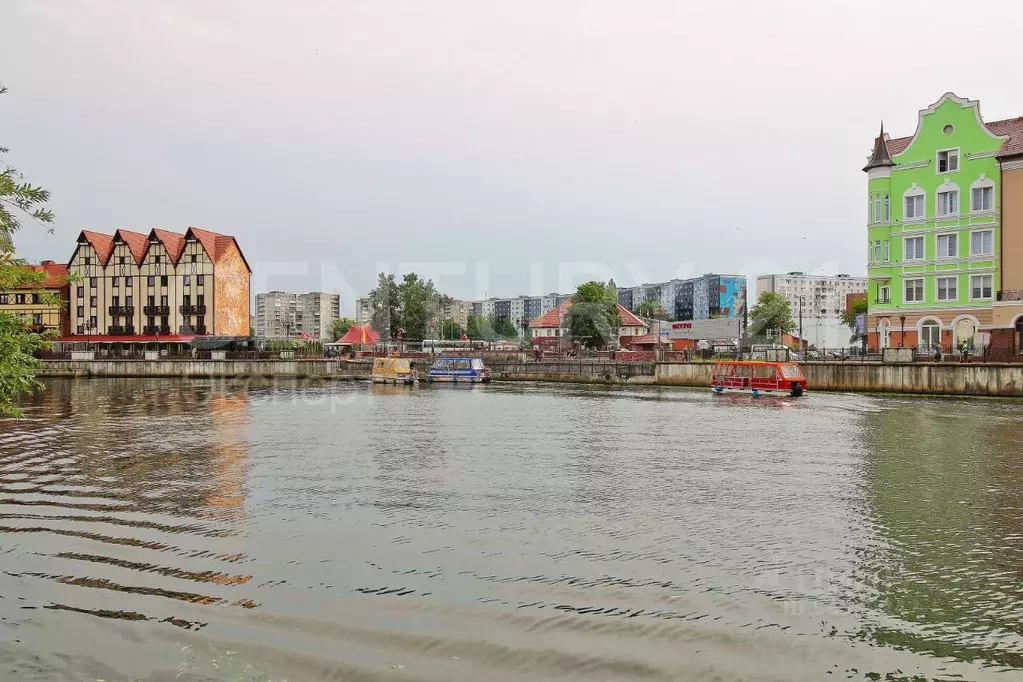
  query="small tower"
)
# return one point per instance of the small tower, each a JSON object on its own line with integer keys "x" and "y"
{"x": 880, "y": 158}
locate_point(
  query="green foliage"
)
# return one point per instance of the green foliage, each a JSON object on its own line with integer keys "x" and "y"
{"x": 385, "y": 302}
{"x": 648, "y": 308}
{"x": 410, "y": 309}
{"x": 505, "y": 329}
{"x": 18, "y": 344}
{"x": 859, "y": 307}
{"x": 772, "y": 313}
{"x": 450, "y": 329}
{"x": 593, "y": 319}
{"x": 340, "y": 327}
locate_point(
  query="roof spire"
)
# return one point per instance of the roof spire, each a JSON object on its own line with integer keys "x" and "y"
{"x": 880, "y": 158}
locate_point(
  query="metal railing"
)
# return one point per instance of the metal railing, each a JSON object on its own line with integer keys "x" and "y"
{"x": 1010, "y": 295}
{"x": 156, "y": 310}
{"x": 192, "y": 310}
{"x": 121, "y": 310}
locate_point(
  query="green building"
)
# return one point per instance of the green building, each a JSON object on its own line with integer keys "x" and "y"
{"x": 934, "y": 229}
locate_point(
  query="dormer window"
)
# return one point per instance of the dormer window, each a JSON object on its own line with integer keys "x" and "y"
{"x": 88, "y": 260}
{"x": 948, "y": 161}
{"x": 156, "y": 259}
{"x": 120, "y": 260}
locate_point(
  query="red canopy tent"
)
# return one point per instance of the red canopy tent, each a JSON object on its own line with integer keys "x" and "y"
{"x": 360, "y": 335}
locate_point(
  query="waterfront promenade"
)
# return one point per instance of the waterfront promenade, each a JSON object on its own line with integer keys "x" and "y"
{"x": 979, "y": 379}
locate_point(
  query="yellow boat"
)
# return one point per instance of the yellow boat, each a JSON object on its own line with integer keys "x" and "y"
{"x": 394, "y": 371}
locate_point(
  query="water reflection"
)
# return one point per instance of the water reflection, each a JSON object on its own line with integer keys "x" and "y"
{"x": 947, "y": 498}
{"x": 331, "y": 531}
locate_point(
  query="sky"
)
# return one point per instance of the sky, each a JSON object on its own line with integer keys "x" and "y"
{"x": 499, "y": 148}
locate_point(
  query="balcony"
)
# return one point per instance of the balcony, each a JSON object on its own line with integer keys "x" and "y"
{"x": 121, "y": 310}
{"x": 155, "y": 330}
{"x": 193, "y": 310}
{"x": 1011, "y": 295}
{"x": 156, "y": 310}
{"x": 120, "y": 330}
{"x": 189, "y": 330}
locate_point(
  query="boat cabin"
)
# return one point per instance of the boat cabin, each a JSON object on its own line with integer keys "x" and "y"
{"x": 455, "y": 370}
{"x": 758, "y": 378}
{"x": 394, "y": 371}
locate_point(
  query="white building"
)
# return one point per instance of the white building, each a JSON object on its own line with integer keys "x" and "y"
{"x": 821, "y": 299}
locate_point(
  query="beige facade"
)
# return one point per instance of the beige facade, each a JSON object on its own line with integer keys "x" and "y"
{"x": 163, "y": 284}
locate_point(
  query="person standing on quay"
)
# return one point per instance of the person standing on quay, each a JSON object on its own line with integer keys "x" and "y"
{"x": 965, "y": 351}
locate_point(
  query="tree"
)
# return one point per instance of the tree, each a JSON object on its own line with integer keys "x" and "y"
{"x": 420, "y": 307}
{"x": 505, "y": 329}
{"x": 593, "y": 319}
{"x": 772, "y": 313}
{"x": 859, "y": 307}
{"x": 650, "y": 309}
{"x": 19, "y": 199}
{"x": 385, "y": 303}
{"x": 340, "y": 327}
{"x": 449, "y": 329}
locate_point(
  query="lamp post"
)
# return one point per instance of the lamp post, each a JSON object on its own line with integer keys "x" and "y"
{"x": 801, "y": 324}
{"x": 902, "y": 334}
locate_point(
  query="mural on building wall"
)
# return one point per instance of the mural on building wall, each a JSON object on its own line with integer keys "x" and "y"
{"x": 232, "y": 294}
{"x": 732, "y": 293}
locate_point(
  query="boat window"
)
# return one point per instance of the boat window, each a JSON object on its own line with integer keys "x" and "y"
{"x": 763, "y": 371}
{"x": 723, "y": 370}
{"x": 477, "y": 363}
{"x": 461, "y": 364}
{"x": 442, "y": 363}
{"x": 743, "y": 371}
{"x": 790, "y": 371}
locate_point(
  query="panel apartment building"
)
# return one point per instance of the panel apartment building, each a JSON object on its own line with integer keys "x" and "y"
{"x": 162, "y": 285}
{"x": 822, "y": 300}
{"x": 945, "y": 231}
{"x": 700, "y": 298}
{"x": 281, "y": 315}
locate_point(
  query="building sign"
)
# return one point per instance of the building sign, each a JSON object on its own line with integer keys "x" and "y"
{"x": 861, "y": 324}
{"x": 718, "y": 328}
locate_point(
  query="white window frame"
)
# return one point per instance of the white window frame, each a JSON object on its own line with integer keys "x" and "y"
{"x": 875, "y": 251}
{"x": 905, "y": 290}
{"x": 982, "y": 184}
{"x": 887, "y": 250}
{"x": 987, "y": 231}
{"x": 905, "y": 249}
{"x": 914, "y": 193}
{"x": 884, "y": 294}
{"x": 939, "y": 254}
{"x": 947, "y": 152}
{"x": 937, "y": 288}
{"x": 887, "y": 209}
{"x": 982, "y": 298}
{"x": 953, "y": 192}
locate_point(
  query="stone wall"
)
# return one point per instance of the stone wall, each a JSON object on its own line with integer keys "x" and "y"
{"x": 324, "y": 369}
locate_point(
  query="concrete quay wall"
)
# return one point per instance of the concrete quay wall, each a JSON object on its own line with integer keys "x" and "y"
{"x": 988, "y": 379}
{"x": 219, "y": 369}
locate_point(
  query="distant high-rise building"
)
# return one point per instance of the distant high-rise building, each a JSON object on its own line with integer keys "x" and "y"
{"x": 316, "y": 311}
{"x": 821, "y": 299}
{"x": 276, "y": 315}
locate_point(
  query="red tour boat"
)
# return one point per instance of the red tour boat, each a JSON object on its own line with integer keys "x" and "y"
{"x": 758, "y": 378}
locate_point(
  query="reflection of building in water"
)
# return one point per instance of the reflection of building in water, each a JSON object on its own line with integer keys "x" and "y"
{"x": 228, "y": 415}
{"x": 937, "y": 481}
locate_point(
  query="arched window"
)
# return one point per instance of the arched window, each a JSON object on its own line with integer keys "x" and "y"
{"x": 946, "y": 199}
{"x": 914, "y": 203}
{"x": 929, "y": 335}
{"x": 884, "y": 333}
{"x": 965, "y": 329}
{"x": 982, "y": 195}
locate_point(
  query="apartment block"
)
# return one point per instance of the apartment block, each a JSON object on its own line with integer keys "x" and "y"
{"x": 163, "y": 284}
{"x": 820, "y": 300}
{"x": 277, "y": 315}
{"x": 316, "y": 312}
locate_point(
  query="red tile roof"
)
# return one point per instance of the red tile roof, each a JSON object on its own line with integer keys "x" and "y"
{"x": 56, "y": 275}
{"x": 103, "y": 243}
{"x": 552, "y": 318}
{"x": 137, "y": 243}
{"x": 645, "y": 340}
{"x": 172, "y": 241}
{"x": 1011, "y": 127}
{"x": 216, "y": 244}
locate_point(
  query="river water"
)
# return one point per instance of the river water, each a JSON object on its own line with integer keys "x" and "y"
{"x": 162, "y": 530}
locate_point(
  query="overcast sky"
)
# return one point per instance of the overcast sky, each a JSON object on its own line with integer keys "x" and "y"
{"x": 500, "y": 147}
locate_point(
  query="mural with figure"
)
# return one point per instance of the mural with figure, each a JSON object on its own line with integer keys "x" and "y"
{"x": 732, "y": 296}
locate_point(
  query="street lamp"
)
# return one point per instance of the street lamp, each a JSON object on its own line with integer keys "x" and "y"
{"x": 902, "y": 334}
